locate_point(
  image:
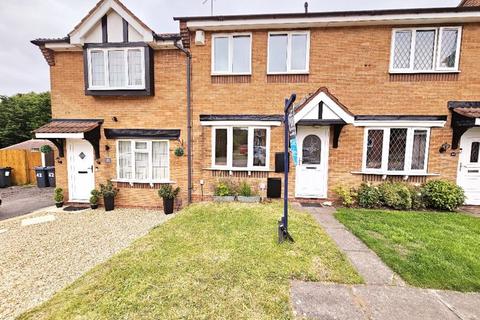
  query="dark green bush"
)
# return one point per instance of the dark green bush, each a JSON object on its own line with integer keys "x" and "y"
{"x": 416, "y": 194}
{"x": 395, "y": 195}
{"x": 368, "y": 196}
{"x": 443, "y": 195}
{"x": 347, "y": 196}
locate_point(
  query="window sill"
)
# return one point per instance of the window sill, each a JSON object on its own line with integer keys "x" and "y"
{"x": 399, "y": 173}
{"x": 213, "y": 74}
{"x": 239, "y": 169}
{"x": 424, "y": 72}
{"x": 288, "y": 73}
{"x": 144, "y": 182}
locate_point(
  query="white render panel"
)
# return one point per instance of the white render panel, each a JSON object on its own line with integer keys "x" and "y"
{"x": 133, "y": 35}
{"x": 95, "y": 35}
{"x": 114, "y": 27}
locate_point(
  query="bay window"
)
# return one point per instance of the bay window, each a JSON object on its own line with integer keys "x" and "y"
{"x": 143, "y": 161}
{"x": 396, "y": 150}
{"x": 288, "y": 52}
{"x": 416, "y": 50}
{"x": 231, "y": 54}
{"x": 240, "y": 147}
{"x": 116, "y": 68}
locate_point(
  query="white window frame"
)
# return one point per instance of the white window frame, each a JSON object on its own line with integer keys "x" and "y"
{"x": 385, "y": 151}
{"x": 150, "y": 161}
{"x": 436, "y": 51}
{"x": 106, "y": 85}
{"x": 289, "y": 52}
{"x": 250, "y": 166}
{"x": 230, "y": 37}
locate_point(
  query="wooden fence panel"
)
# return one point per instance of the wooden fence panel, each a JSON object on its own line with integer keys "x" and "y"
{"x": 23, "y": 163}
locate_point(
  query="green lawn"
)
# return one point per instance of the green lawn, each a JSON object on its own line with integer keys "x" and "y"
{"x": 211, "y": 261}
{"x": 427, "y": 249}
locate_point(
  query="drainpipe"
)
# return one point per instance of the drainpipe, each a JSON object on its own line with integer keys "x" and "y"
{"x": 188, "y": 55}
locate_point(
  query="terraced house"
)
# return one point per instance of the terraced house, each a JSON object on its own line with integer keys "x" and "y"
{"x": 389, "y": 94}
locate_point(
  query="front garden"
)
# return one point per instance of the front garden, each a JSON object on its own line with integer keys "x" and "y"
{"x": 211, "y": 261}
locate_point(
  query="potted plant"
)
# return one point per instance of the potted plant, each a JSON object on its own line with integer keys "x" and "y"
{"x": 168, "y": 194}
{"x": 109, "y": 192}
{"x": 245, "y": 194}
{"x": 95, "y": 196}
{"x": 58, "y": 197}
{"x": 224, "y": 192}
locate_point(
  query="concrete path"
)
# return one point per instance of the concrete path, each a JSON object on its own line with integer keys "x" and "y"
{"x": 20, "y": 200}
{"x": 384, "y": 295}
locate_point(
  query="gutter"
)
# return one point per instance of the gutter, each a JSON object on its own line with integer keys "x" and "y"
{"x": 188, "y": 56}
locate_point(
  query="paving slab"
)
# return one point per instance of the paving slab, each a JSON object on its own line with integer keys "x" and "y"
{"x": 465, "y": 305}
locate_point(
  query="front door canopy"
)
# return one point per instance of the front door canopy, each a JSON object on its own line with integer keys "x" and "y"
{"x": 465, "y": 115}
{"x": 58, "y": 130}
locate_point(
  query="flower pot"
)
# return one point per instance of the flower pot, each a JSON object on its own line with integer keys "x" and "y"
{"x": 224, "y": 198}
{"x": 109, "y": 202}
{"x": 168, "y": 205}
{"x": 94, "y": 206}
{"x": 59, "y": 204}
{"x": 252, "y": 199}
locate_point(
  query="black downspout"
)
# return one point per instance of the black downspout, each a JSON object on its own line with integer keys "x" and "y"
{"x": 189, "y": 119}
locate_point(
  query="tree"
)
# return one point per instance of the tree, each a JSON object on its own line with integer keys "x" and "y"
{"x": 21, "y": 114}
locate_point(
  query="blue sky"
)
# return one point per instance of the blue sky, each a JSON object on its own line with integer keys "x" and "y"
{"x": 23, "y": 69}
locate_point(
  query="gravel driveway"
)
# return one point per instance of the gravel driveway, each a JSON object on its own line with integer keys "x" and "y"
{"x": 38, "y": 260}
{"x": 20, "y": 200}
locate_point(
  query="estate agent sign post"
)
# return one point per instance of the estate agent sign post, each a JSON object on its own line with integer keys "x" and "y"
{"x": 290, "y": 138}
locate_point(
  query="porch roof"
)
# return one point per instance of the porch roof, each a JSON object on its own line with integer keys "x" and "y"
{"x": 465, "y": 115}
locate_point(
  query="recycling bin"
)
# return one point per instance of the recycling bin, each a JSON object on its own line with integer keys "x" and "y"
{"x": 5, "y": 177}
{"x": 51, "y": 176}
{"x": 42, "y": 179}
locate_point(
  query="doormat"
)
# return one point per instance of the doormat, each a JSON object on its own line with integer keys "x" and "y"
{"x": 311, "y": 205}
{"x": 75, "y": 208}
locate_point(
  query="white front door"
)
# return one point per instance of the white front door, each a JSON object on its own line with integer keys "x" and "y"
{"x": 469, "y": 166}
{"x": 81, "y": 178}
{"x": 312, "y": 170}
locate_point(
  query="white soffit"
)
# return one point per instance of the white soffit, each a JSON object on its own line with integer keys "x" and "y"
{"x": 228, "y": 123}
{"x": 328, "y": 103}
{"x": 60, "y": 135}
{"x": 336, "y": 21}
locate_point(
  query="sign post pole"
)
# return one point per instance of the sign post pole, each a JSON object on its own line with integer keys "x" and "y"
{"x": 290, "y": 139}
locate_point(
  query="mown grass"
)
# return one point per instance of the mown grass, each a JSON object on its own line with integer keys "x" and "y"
{"x": 427, "y": 249}
{"x": 211, "y": 261}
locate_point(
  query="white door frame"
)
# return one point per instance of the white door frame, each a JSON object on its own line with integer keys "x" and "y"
{"x": 467, "y": 137}
{"x": 323, "y": 132}
{"x": 70, "y": 168}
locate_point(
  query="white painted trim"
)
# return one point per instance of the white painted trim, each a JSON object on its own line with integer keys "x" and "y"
{"x": 336, "y": 21}
{"x": 289, "y": 35}
{"x": 239, "y": 123}
{"x": 400, "y": 123}
{"x": 477, "y": 121}
{"x": 331, "y": 104}
{"x": 230, "y": 37}
{"x": 59, "y": 135}
{"x": 391, "y": 173}
{"x": 63, "y": 46}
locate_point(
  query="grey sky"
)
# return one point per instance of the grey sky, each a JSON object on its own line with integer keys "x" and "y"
{"x": 23, "y": 69}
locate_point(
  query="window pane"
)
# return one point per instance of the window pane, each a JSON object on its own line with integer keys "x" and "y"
{"x": 397, "y": 146}
{"x": 135, "y": 67}
{"x": 241, "y": 54}
{"x": 474, "y": 152}
{"x": 299, "y": 52}
{"x": 311, "y": 150}
{"x": 124, "y": 160}
{"x": 141, "y": 166}
{"x": 424, "y": 48}
{"x": 220, "y": 54}
{"x": 374, "y": 149}
{"x": 402, "y": 49}
{"x": 141, "y": 145}
{"x": 221, "y": 147}
{"x": 277, "y": 53}
{"x": 419, "y": 149}
{"x": 448, "y": 51}
{"x": 259, "y": 147}
{"x": 98, "y": 68}
{"x": 240, "y": 147}
{"x": 116, "y": 68}
{"x": 159, "y": 160}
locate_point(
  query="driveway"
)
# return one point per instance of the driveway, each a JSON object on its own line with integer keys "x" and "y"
{"x": 19, "y": 200}
{"x": 38, "y": 259}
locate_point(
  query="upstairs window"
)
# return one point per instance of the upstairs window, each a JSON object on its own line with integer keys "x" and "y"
{"x": 231, "y": 54}
{"x": 425, "y": 50}
{"x": 116, "y": 68}
{"x": 288, "y": 52}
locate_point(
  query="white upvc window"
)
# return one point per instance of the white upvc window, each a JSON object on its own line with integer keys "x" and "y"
{"x": 288, "y": 52}
{"x": 425, "y": 50}
{"x": 396, "y": 150}
{"x": 116, "y": 68}
{"x": 232, "y": 54}
{"x": 241, "y": 148}
{"x": 143, "y": 161}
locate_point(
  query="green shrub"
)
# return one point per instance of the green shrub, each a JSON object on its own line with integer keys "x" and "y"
{"x": 95, "y": 195}
{"x": 58, "y": 195}
{"x": 108, "y": 190}
{"x": 224, "y": 189}
{"x": 395, "y": 195}
{"x": 416, "y": 194}
{"x": 347, "y": 196}
{"x": 443, "y": 195}
{"x": 168, "y": 192}
{"x": 368, "y": 196}
{"x": 245, "y": 190}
